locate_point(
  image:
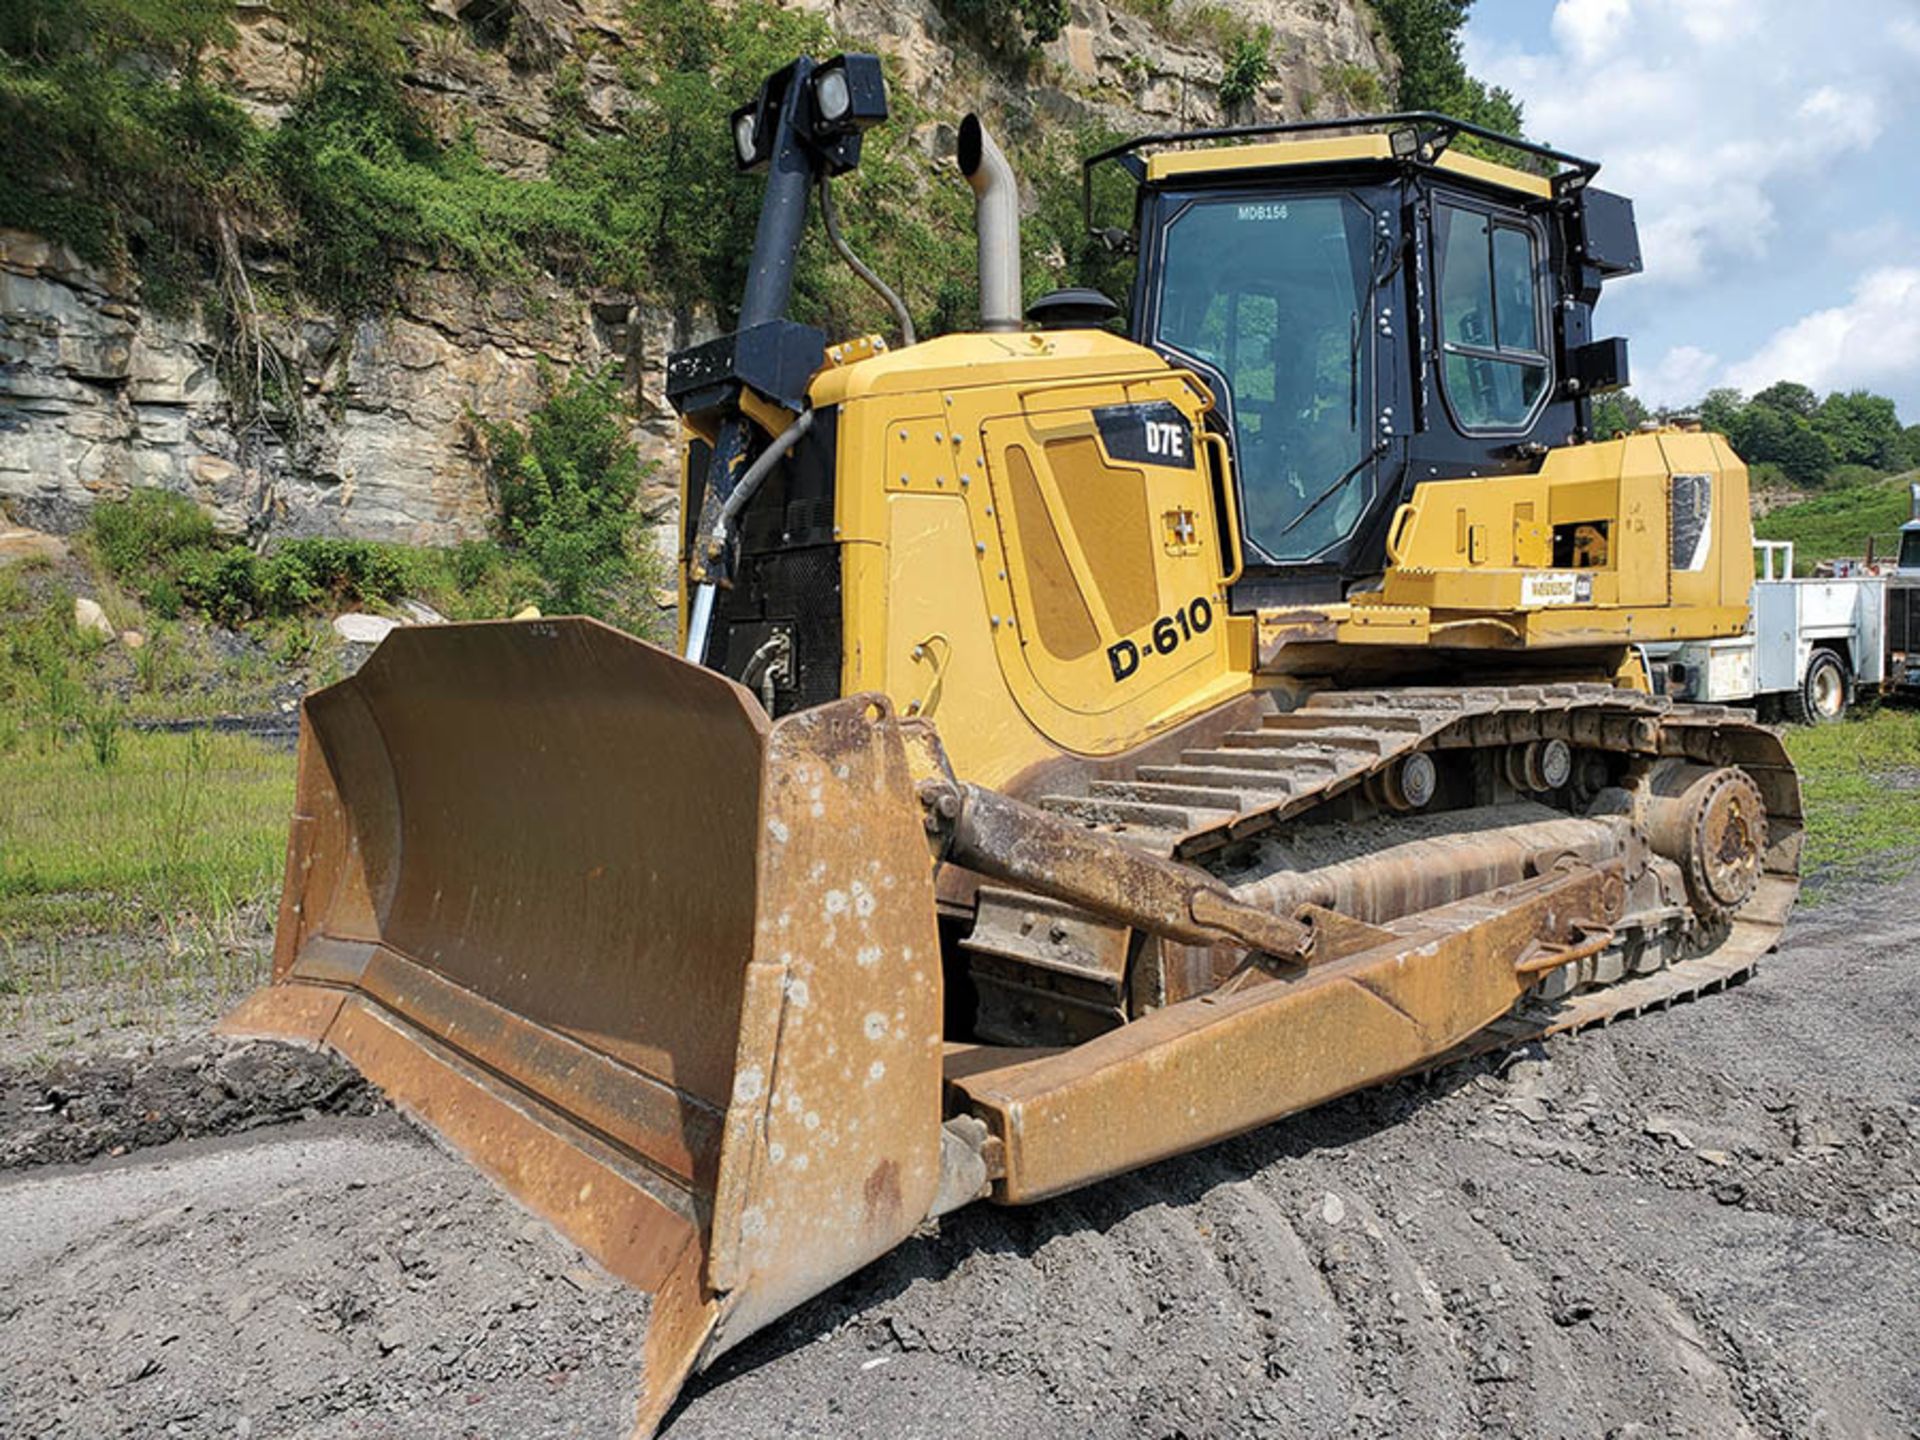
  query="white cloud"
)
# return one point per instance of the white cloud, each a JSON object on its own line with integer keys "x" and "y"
{"x": 1591, "y": 28}
{"x": 1865, "y": 244}
{"x": 1873, "y": 340}
{"x": 1712, "y": 114}
{"x": 1679, "y": 377}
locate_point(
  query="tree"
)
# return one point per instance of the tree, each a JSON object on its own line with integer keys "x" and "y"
{"x": 1720, "y": 409}
{"x": 1425, "y": 34}
{"x": 1763, "y": 431}
{"x": 1861, "y": 428}
{"x": 1788, "y": 426}
{"x": 1805, "y": 454}
{"x": 1619, "y": 413}
{"x": 1426, "y": 37}
{"x": 1791, "y": 397}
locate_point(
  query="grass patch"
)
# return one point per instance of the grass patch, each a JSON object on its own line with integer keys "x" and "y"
{"x": 174, "y": 831}
{"x": 1860, "y": 782}
{"x": 1837, "y": 522}
{"x": 162, "y": 549}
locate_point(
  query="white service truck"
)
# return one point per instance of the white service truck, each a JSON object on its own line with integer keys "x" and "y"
{"x": 1811, "y": 645}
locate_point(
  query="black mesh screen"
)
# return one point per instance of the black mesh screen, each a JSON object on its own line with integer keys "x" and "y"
{"x": 796, "y": 591}
{"x": 1903, "y": 619}
{"x": 788, "y": 582}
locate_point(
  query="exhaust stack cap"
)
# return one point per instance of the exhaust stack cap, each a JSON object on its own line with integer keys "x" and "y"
{"x": 1913, "y": 496}
{"x": 997, "y": 219}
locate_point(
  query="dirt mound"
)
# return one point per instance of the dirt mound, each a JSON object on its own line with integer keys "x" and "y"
{"x": 340, "y": 1278}
{"x": 112, "y": 1104}
{"x": 1704, "y": 1222}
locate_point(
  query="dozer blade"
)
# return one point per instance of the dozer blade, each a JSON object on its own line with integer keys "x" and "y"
{"x": 665, "y": 971}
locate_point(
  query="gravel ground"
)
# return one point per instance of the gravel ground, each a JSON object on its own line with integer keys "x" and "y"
{"x": 1705, "y": 1222}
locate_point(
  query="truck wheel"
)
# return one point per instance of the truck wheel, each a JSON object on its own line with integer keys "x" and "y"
{"x": 1825, "y": 691}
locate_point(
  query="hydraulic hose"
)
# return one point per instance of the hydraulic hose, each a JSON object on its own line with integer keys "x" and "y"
{"x": 860, "y": 267}
{"x": 700, "y": 616}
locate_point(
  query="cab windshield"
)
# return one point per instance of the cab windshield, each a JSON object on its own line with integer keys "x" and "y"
{"x": 1274, "y": 295}
{"x": 1910, "y": 549}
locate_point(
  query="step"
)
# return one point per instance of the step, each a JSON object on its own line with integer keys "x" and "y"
{"x": 1396, "y": 721}
{"x": 1249, "y": 758}
{"x": 1228, "y": 800}
{"x": 1310, "y": 746}
{"x": 1256, "y": 784}
{"x": 1143, "y": 822}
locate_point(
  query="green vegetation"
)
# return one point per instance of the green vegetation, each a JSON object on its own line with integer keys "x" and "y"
{"x": 566, "y": 482}
{"x": 1056, "y": 248}
{"x": 1425, "y": 34}
{"x": 1361, "y": 89}
{"x": 1011, "y": 24}
{"x": 120, "y": 143}
{"x": 107, "y": 118}
{"x": 1861, "y": 785}
{"x": 1618, "y": 412}
{"x": 1788, "y": 434}
{"x": 1838, "y": 521}
{"x": 176, "y": 825}
{"x": 167, "y": 553}
{"x": 137, "y": 870}
{"x": 371, "y": 187}
{"x": 1249, "y": 65}
{"x": 1809, "y": 440}
{"x": 568, "y": 539}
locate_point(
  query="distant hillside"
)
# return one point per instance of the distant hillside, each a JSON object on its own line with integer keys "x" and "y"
{"x": 1836, "y": 523}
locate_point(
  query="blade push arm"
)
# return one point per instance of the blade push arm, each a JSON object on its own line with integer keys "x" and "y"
{"x": 998, "y": 836}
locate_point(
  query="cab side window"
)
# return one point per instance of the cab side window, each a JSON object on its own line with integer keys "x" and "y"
{"x": 1494, "y": 366}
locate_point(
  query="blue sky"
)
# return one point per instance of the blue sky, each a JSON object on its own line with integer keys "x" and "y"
{"x": 1772, "y": 151}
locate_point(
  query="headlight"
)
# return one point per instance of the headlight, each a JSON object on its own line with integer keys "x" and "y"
{"x": 849, "y": 95}
{"x": 831, "y": 98}
{"x": 746, "y": 135}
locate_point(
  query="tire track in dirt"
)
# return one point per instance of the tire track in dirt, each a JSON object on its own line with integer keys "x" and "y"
{"x": 1703, "y": 1222}
{"x": 1302, "y": 1333}
{"x": 1610, "y": 1232}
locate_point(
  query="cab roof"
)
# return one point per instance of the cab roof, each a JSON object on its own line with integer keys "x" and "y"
{"x": 1174, "y": 165}
{"x": 1420, "y": 139}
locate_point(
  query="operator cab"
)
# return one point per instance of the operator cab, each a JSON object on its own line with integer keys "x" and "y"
{"x": 1370, "y": 310}
{"x": 1910, "y": 537}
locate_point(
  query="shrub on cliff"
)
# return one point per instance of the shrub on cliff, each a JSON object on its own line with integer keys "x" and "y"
{"x": 143, "y": 533}
{"x": 1249, "y": 65}
{"x": 565, "y": 483}
{"x": 114, "y": 140}
{"x": 164, "y": 549}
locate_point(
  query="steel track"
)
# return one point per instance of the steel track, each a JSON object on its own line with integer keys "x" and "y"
{"x": 1259, "y": 779}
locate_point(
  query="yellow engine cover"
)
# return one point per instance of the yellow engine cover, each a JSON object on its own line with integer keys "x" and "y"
{"x": 1033, "y": 551}
{"x": 1038, "y": 535}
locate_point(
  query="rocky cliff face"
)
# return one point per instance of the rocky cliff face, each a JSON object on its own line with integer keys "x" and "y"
{"x": 100, "y": 392}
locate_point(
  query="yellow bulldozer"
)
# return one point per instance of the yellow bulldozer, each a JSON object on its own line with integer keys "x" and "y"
{"x": 1083, "y": 746}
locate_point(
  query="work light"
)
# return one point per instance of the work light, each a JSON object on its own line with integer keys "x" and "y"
{"x": 746, "y": 135}
{"x": 831, "y": 99}
{"x": 849, "y": 95}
